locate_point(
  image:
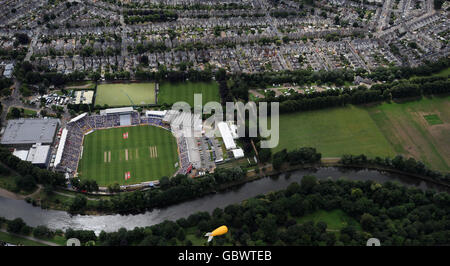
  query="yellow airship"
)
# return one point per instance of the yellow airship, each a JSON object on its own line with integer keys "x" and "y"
{"x": 217, "y": 232}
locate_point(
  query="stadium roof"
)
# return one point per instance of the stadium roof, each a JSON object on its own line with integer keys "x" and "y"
{"x": 29, "y": 131}
{"x": 78, "y": 118}
{"x": 226, "y": 136}
{"x": 156, "y": 113}
{"x": 117, "y": 110}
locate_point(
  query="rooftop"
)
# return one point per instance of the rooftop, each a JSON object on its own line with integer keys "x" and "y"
{"x": 29, "y": 131}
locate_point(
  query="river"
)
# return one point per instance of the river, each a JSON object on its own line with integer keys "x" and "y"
{"x": 34, "y": 216}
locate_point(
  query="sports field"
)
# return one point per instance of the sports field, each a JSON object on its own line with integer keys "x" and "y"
{"x": 125, "y": 94}
{"x": 146, "y": 152}
{"x": 170, "y": 93}
{"x": 334, "y": 132}
{"x": 419, "y": 129}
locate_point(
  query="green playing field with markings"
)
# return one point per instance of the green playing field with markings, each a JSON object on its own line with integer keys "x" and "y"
{"x": 148, "y": 153}
{"x": 125, "y": 94}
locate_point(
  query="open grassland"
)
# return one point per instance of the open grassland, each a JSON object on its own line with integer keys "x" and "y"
{"x": 125, "y": 94}
{"x": 333, "y": 132}
{"x": 335, "y": 219}
{"x": 16, "y": 240}
{"x": 419, "y": 129}
{"x": 148, "y": 153}
{"x": 170, "y": 93}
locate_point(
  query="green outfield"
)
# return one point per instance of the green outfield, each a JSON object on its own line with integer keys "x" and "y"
{"x": 125, "y": 94}
{"x": 148, "y": 153}
{"x": 170, "y": 93}
{"x": 334, "y": 132}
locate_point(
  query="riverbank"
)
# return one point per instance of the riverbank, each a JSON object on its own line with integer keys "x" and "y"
{"x": 62, "y": 200}
{"x": 268, "y": 170}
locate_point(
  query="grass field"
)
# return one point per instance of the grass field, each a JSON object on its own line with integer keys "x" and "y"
{"x": 420, "y": 129}
{"x": 148, "y": 153}
{"x": 333, "y": 132}
{"x": 335, "y": 219}
{"x": 170, "y": 93}
{"x": 125, "y": 94}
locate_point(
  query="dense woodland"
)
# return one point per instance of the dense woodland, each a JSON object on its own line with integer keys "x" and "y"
{"x": 395, "y": 214}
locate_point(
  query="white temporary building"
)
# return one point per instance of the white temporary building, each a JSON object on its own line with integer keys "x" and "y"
{"x": 238, "y": 153}
{"x": 225, "y": 132}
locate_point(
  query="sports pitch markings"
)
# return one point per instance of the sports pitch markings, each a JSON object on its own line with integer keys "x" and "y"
{"x": 153, "y": 151}
{"x": 148, "y": 153}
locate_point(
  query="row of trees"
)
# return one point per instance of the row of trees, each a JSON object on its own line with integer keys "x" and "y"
{"x": 85, "y": 185}
{"x": 361, "y": 95}
{"x": 243, "y": 82}
{"x": 305, "y": 155}
{"x": 389, "y": 74}
{"x": 174, "y": 190}
{"x": 140, "y": 16}
{"x": 4, "y": 86}
{"x": 174, "y": 76}
{"x": 27, "y": 73}
{"x": 409, "y": 165}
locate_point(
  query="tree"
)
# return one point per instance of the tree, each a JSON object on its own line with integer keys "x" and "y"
{"x": 42, "y": 232}
{"x": 26, "y": 183}
{"x": 367, "y": 222}
{"x": 308, "y": 182}
{"x": 15, "y": 226}
{"x": 15, "y": 112}
{"x": 78, "y": 204}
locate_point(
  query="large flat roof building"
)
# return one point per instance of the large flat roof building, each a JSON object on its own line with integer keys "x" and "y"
{"x": 29, "y": 131}
{"x": 120, "y": 110}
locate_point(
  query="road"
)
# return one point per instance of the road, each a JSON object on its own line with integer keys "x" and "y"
{"x": 384, "y": 16}
{"x": 32, "y": 44}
